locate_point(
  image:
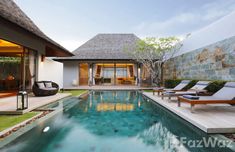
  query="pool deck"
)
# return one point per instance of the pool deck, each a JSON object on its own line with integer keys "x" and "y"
{"x": 209, "y": 118}
{"x": 8, "y": 104}
{"x": 108, "y": 87}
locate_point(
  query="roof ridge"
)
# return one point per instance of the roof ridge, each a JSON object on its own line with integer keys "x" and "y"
{"x": 97, "y": 36}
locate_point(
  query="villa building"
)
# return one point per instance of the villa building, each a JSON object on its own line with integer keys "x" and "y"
{"x": 23, "y": 48}
{"x": 104, "y": 60}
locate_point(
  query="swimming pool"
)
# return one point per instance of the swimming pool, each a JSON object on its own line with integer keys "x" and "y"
{"x": 111, "y": 121}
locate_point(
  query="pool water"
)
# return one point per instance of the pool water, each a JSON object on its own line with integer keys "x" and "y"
{"x": 111, "y": 121}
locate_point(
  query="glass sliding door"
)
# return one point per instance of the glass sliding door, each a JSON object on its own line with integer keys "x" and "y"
{"x": 83, "y": 74}
{"x": 17, "y": 67}
{"x": 108, "y": 74}
{"x": 114, "y": 74}
{"x": 125, "y": 74}
{"x": 10, "y": 72}
{"x": 104, "y": 74}
{"x": 97, "y": 74}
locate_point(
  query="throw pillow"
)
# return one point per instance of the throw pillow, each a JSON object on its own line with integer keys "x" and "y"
{"x": 41, "y": 85}
{"x": 48, "y": 84}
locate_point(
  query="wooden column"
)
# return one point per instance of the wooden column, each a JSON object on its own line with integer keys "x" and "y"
{"x": 139, "y": 74}
{"x": 115, "y": 74}
{"x": 23, "y": 70}
{"x": 90, "y": 74}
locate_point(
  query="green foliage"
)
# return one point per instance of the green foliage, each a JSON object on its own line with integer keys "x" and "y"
{"x": 190, "y": 85}
{"x": 148, "y": 90}
{"x": 156, "y": 46}
{"x": 170, "y": 83}
{"x": 10, "y": 59}
{"x": 215, "y": 86}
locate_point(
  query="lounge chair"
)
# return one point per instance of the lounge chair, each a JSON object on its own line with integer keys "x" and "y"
{"x": 179, "y": 87}
{"x": 198, "y": 88}
{"x": 45, "y": 88}
{"x": 226, "y": 95}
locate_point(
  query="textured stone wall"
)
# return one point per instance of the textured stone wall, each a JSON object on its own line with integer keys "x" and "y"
{"x": 213, "y": 62}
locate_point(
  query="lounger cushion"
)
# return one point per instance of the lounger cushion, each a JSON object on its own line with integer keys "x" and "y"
{"x": 191, "y": 97}
{"x": 200, "y": 85}
{"x": 158, "y": 88}
{"x": 227, "y": 92}
{"x": 169, "y": 92}
{"x": 186, "y": 93}
{"x": 182, "y": 85}
{"x": 230, "y": 84}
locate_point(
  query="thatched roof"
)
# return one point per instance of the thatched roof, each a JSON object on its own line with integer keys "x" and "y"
{"x": 105, "y": 47}
{"x": 11, "y": 12}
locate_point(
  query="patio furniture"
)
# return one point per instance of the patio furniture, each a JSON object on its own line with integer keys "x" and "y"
{"x": 45, "y": 88}
{"x": 197, "y": 89}
{"x": 226, "y": 95}
{"x": 179, "y": 87}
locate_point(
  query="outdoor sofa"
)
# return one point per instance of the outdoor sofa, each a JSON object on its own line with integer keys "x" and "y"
{"x": 226, "y": 95}
{"x": 197, "y": 89}
{"x": 45, "y": 88}
{"x": 179, "y": 87}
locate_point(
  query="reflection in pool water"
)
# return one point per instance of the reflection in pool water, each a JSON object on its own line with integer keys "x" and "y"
{"x": 114, "y": 107}
{"x": 111, "y": 121}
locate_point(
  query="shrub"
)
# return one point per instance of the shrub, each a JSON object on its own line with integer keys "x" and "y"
{"x": 215, "y": 86}
{"x": 170, "y": 83}
{"x": 190, "y": 85}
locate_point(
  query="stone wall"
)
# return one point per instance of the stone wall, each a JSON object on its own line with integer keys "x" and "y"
{"x": 213, "y": 62}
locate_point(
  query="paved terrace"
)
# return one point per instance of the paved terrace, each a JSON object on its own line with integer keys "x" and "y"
{"x": 8, "y": 104}
{"x": 209, "y": 118}
{"x": 109, "y": 87}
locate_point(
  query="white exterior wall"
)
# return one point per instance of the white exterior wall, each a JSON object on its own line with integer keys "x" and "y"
{"x": 71, "y": 74}
{"x": 50, "y": 70}
{"x": 217, "y": 31}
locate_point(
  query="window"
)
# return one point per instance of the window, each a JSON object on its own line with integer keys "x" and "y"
{"x": 121, "y": 72}
{"x": 108, "y": 72}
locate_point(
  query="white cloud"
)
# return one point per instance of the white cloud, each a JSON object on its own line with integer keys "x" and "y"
{"x": 185, "y": 22}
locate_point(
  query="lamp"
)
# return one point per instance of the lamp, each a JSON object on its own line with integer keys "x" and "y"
{"x": 42, "y": 58}
{"x": 90, "y": 75}
{"x": 22, "y": 100}
{"x": 138, "y": 79}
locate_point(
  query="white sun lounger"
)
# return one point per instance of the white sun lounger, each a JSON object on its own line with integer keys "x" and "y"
{"x": 179, "y": 87}
{"x": 226, "y": 95}
{"x": 196, "y": 89}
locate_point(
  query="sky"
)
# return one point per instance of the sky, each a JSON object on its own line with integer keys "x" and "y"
{"x": 73, "y": 22}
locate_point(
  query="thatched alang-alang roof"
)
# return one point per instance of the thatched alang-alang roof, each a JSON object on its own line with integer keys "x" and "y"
{"x": 105, "y": 47}
{"x": 11, "y": 12}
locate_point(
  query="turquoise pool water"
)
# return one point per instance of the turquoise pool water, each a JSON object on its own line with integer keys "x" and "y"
{"x": 111, "y": 121}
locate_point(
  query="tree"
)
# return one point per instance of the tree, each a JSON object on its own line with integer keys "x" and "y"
{"x": 153, "y": 52}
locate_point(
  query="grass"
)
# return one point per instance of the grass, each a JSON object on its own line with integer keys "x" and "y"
{"x": 148, "y": 90}
{"x": 74, "y": 92}
{"x": 7, "y": 121}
